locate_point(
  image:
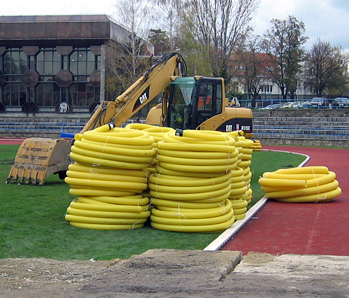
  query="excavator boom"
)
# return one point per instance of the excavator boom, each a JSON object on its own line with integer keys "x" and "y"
{"x": 147, "y": 87}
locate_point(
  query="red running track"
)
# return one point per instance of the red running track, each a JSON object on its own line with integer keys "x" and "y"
{"x": 7, "y": 141}
{"x": 302, "y": 228}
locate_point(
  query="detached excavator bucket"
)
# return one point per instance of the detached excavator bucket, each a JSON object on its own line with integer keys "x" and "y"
{"x": 37, "y": 158}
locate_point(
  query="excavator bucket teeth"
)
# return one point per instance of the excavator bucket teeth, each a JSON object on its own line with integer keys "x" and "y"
{"x": 37, "y": 158}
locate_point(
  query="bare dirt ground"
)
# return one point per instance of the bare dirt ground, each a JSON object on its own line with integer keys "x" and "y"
{"x": 174, "y": 273}
{"x": 32, "y": 277}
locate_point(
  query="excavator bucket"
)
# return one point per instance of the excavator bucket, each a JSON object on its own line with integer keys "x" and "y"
{"x": 37, "y": 158}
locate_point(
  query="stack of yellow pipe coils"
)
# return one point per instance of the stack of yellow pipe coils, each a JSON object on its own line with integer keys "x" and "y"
{"x": 158, "y": 133}
{"x": 108, "y": 177}
{"x": 306, "y": 184}
{"x": 257, "y": 145}
{"x": 241, "y": 193}
{"x": 240, "y": 208}
{"x": 192, "y": 183}
{"x": 245, "y": 151}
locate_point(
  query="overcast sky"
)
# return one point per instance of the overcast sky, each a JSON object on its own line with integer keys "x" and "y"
{"x": 325, "y": 19}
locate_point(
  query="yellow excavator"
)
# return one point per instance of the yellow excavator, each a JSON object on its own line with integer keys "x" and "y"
{"x": 187, "y": 103}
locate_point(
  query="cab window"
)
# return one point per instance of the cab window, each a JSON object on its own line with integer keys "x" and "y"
{"x": 209, "y": 101}
{"x": 180, "y": 111}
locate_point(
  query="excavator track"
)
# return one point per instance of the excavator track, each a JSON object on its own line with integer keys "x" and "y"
{"x": 37, "y": 158}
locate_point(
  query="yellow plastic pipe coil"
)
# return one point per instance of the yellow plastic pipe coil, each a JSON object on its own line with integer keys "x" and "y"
{"x": 240, "y": 208}
{"x": 193, "y": 181}
{"x": 241, "y": 189}
{"x": 306, "y": 184}
{"x": 257, "y": 145}
{"x": 108, "y": 177}
{"x": 158, "y": 133}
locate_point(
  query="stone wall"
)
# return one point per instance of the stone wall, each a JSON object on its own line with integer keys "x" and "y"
{"x": 330, "y": 119}
{"x": 302, "y": 113}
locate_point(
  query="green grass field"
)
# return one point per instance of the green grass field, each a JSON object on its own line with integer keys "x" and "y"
{"x": 32, "y": 219}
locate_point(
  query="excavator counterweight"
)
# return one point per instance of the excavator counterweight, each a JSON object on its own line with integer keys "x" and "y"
{"x": 37, "y": 158}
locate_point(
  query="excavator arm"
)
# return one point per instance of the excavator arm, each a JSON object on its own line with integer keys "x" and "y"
{"x": 39, "y": 157}
{"x": 147, "y": 87}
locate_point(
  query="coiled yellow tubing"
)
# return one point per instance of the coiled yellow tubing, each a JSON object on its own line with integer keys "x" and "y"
{"x": 193, "y": 180}
{"x": 117, "y": 148}
{"x": 108, "y": 213}
{"x": 187, "y": 153}
{"x": 156, "y": 132}
{"x": 241, "y": 183}
{"x": 194, "y": 176}
{"x": 240, "y": 208}
{"x": 307, "y": 184}
{"x": 108, "y": 177}
{"x": 257, "y": 145}
{"x": 193, "y": 220}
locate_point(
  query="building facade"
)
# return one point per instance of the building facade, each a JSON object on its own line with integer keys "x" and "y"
{"x": 254, "y": 79}
{"x": 54, "y": 64}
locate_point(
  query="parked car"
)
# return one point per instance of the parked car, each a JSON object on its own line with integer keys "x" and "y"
{"x": 290, "y": 105}
{"x": 343, "y": 102}
{"x": 306, "y": 104}
{"x": 317, "y": 102}
{"x": 271, "y": 107}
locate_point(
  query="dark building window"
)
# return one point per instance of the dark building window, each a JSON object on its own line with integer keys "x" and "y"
{"x": 81, "y": 95}
{"x": 37, "y": 77}
{"x": 82, "y": 62}
{"x": 48, "y": 63}
{"x": 14, "y": 94}
{"x": 15, "y": 61}
{"x": 47, "y": 95}
{"x": 98, "y": 62}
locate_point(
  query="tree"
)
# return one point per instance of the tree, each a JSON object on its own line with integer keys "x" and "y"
{"x": 122, "y": 69}
{"x": 326, "y": 69}
{"x": 254, "y": 67}
{"x": 161, "y": 42}
{"x": 285, "y": 42}
{"x": 169, "y": 18}
{"x": 135, "y": 16}
{"x": 196, "y": 57}
{"x": 125, "y": 58}
{"x": 217, "y": 26}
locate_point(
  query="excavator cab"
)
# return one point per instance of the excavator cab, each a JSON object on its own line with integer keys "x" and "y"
{"x": 199, "y": 103}
{"x": 193, "y": 100}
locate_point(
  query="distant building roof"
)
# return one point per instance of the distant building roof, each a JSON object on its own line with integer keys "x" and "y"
{"x": 51, "y": 30}
{"x": 54, "y": 18}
